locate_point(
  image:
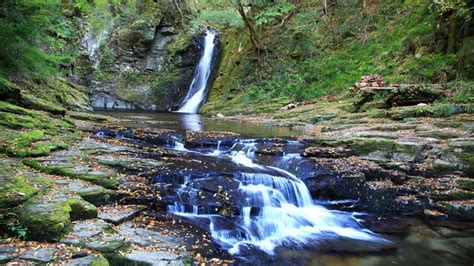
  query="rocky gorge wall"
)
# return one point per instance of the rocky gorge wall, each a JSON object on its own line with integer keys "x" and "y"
{"x": 141, "y": 64}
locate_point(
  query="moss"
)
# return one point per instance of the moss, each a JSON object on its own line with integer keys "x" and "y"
{"x": 105, "y": 180}
{"x": 459, "y": 210}
{"x": 82, "y": 210}
{"x": 9, "y": 90}
{"x": 32, "y": 102}
{"x": 100, "y": 261}
{"x": 26, "y": 144}
{"x": 89, "y": 116}
{"x": 442, "y": 110}
{"x": 45, "y": 220}
{"x": 14, "y": 189}
{"x": 48, "y": 216}
{"x": 452, "y": 196}
{"x": 365, "y": 146}
{"x": 98, "y": 196}
{"x": 11, "y": 108}
{"x": 466, "y": 184}
{"x": 15, "y": 117}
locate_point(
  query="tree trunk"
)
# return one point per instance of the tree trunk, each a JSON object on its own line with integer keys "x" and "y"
{"x": 250, "y": 27}
{"x": 452, "y": 33}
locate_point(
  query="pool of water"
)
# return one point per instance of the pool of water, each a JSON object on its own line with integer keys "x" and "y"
{"x": 196, "y": 122}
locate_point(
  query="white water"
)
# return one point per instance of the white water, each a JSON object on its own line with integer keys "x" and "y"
{"x": 92, "y": 41}
{"x": 277, "y": 210}
{"x": 197, "y": 90}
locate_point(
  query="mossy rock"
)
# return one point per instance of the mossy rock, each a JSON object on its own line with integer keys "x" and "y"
{"x": 81, "y": 209}
{"x": 444, "y": 110}
{"x": 32, "y": 143}
{"x": 9, "y": 90}
{"x": 94, "y": 194}
{"x": 105, "y": 180}
{"x": 452, "y": 195}
{"x": 463, "y": 210}
{"x": 32, "y": 102}
{"x": 15, "y": 117}
{"x": 458, "y": 156}
{"x": 89, "y": 116}
{"x": 466, "y": 184}
{"x": 14, "y": 190}
{"x": 91, "y": 260}
{"x": 11, "y": 108}
{"x": 48, "y": 216}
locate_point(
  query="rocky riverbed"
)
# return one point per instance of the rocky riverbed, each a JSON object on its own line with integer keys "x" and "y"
{"x": 105, "y": 196}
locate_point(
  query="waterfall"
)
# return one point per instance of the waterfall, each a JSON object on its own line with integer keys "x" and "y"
{"x": 276, "y": 208}
{"x": 197, "y": 90}
{"x": 91, "y": 42}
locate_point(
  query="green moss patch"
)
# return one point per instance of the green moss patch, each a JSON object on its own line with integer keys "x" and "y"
{"x": 14, "y": 189}
{"x": 48, "y": 216}
{"x": 105, "y": 180}
{"x": 89, "y": 116}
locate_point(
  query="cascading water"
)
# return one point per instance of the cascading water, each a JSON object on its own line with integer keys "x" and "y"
{"x": 197, "y": 90}
{"x": 276, "y": 209}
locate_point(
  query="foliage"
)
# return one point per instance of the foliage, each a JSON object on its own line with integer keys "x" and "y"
{"x": 269, "y": 15}
{"x": 312, "y": 56}
{"x": 461, "y": 8}
{"x": 221, "y": 18}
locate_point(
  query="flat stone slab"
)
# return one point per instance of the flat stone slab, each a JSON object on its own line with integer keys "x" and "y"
{"x": 144, "y": 237}
{"x": 157, "y": 258}
{"x": 87, "y": 260}
{"x": 41, "y": 255}
{"x": 121, "y": 213}
{"x": 7, "y": 254}
{"x": 84, "y": 230}
{"x": 107, "y": 244}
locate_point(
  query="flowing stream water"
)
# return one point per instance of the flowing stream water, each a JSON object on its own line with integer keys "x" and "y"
{"x": 276, "y": 207}
{"x": 197, "y": 90}
{"x": 260, "y": 205}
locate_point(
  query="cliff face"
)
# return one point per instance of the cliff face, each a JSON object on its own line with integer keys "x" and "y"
{"x": 138, "y": 65}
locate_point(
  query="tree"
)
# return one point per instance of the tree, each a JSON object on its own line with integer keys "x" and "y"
{"x": 458, "y": 14}
{"x": 250, "y": 24}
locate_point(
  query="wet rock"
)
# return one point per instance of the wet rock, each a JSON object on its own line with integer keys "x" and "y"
{"x": 15, "y": 189}
{"x": 7, "y": 253}
{"x": 40, "y": 255}
{"x": 463, "y": 210}
{"x": 107, "y": 244}
{"x": 96, "y": 147}
{"x": 120, "y": 213}
{"x": 450, "y": 233}
{"x": 131, "y": 164}
{"x": 91, "y": 260}
{"x": 144, "y": 237}
{"x": 47, "y": 216}
{"x": 85, "y": 230}
{"x": 196, "y": 139}
{"x": 154, "y": 258}
{"x": 327, "y": 152}
{"x": 94, "y": 194}
{"x": 386, "y": 225}
{"x": 215, "y": 184}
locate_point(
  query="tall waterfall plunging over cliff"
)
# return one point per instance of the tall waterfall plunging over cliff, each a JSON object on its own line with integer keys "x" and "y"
{"x": 197, "y": 90}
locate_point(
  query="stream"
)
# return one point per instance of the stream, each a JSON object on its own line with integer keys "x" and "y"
{"x": 248, "y": 189}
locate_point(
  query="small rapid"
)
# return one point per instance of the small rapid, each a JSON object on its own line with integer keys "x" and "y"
{"x": 275, "y": 207}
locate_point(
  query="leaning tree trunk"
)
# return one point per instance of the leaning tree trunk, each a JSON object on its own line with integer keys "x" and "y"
{"x": 248, "y": 23}
{"x": 452, "y": 33}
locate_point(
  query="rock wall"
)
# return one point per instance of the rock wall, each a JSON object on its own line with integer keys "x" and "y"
{"x": 139, "y": 65}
